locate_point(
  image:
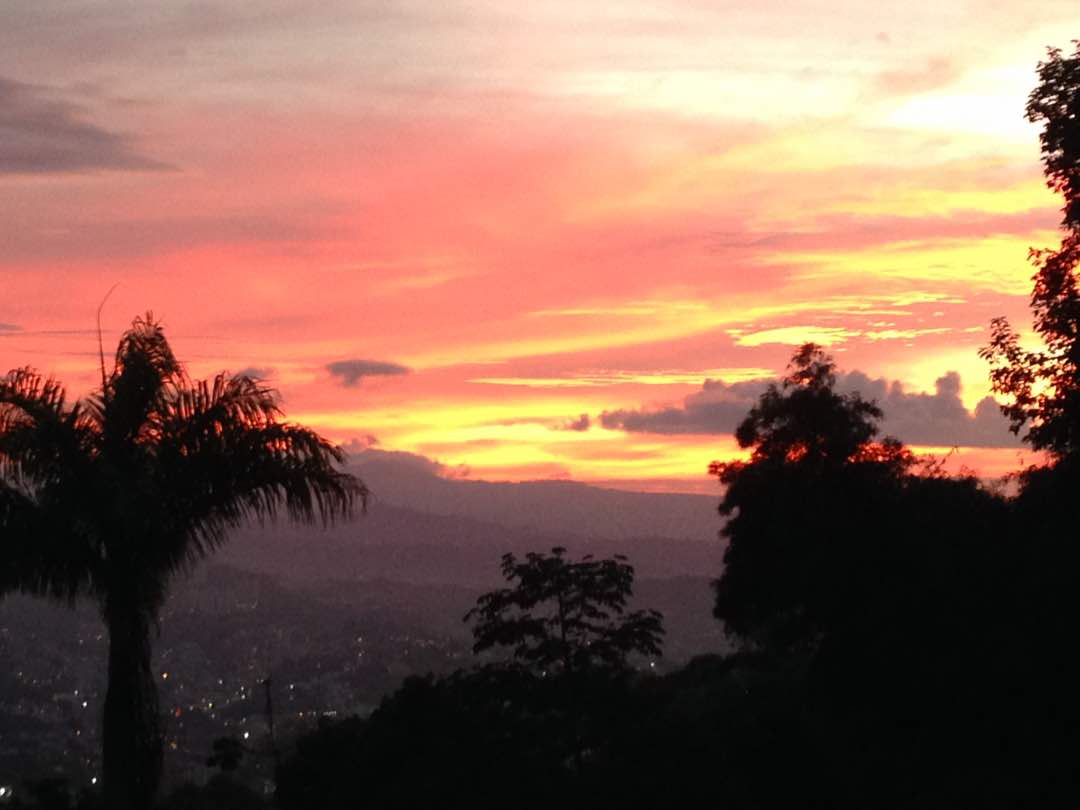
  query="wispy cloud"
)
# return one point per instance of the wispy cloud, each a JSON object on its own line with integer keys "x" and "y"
{"x": 610, "y": 377}
{"x": 935, "y": 72}
{"x": 42, "y": 132}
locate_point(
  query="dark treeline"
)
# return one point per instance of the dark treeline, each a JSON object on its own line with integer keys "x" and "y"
{"x": 904, "y": 637}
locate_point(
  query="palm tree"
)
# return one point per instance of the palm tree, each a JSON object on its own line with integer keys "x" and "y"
{"x": 110, "y": 496}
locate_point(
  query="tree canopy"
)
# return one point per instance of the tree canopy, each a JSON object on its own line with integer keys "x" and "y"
{"x": 797, "y": 510}
{"x": 805, "y": 420}
{"x": 1043, "y": 386}
{"x": 566, "y": 616}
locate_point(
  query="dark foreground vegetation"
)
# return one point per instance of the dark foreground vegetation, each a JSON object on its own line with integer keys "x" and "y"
{"x": 905, "y": 636}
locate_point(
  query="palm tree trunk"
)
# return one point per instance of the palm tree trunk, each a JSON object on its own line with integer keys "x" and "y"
{"x": 132, "y": 744}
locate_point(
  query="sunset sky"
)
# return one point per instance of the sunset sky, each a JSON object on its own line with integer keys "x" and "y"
{"x": 532, "y": 240}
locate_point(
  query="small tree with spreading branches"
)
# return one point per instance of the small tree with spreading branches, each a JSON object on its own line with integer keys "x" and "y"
{"x": 566, "y": 616}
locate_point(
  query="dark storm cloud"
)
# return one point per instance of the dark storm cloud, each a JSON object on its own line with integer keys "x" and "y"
{"x": 43, "y": 133}
{"x": 938, "y": 419}
{"x": 352, "y": 372}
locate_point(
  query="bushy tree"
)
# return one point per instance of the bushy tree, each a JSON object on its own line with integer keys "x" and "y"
{"x": 799, "y": 510}
{"x": 487, "y": 738}
{"x": 566, "y": 616}
{"x": 805, "y": 421}
{"x": 112, "y": 495}
{"x": 1042, "y": 389}
{"x": 1043, "y": 386}
{"x": 888, "y": 582}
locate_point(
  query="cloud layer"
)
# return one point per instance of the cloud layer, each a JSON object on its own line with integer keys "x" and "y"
{"x": 43, "y": 133}
{"x": 578, "y": 425}
{"x": 938, "y": 419}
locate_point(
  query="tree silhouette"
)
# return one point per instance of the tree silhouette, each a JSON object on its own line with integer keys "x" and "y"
{"x": 500, "y": 735}
{"x": 112, "y": 495}
{"x": 799, "y": 509}
{"x": 565, "y": 616}
{"x": 1043, "y": 395}
{"x": 485, "y": 738}
{"x": 805, "y": 421}
{"x": 1043, "y": 386}
{"x": 888, "y": 584}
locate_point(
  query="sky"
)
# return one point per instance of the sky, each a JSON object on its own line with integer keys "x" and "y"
{"x": 543, "y": 240}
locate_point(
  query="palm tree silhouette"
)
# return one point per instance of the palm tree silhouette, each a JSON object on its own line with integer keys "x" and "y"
{"x": 111, "y": 496}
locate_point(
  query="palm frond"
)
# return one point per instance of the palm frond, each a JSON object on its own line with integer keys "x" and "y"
{"x": 40, "y": 553}
{"x": 145, "y": 374}
{"x": 223, "y": 460}
{"x": 41, "y": 440}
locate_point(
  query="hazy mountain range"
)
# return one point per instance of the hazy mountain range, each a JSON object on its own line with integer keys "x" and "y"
{"x": 552, "y": 507}
{"x": 448, "y": 535}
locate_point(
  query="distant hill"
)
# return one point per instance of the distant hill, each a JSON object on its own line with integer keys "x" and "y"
{"x": 551, "y": 507}
{"x": 407, "y": 545}
{"x": 425, "y": 531}
{"x": 431, "y": 565}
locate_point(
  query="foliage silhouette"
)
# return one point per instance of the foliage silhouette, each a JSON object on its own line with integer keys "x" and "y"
{"x": 804, "y": 420}
{"x": 1043, "y": 386}
{"x": 564, "y": 616}
{"x": 219, "y": 793}
{"x": 51, "y": 793}
{"x": 524, "y": 728}
{"x": 798, "y": 510}
{"x": 483, "y": 739}
{"x": 1043, "y": 394}
{"x": 112, "y": 495}
{"x": 494, "y": 738}
{"x": 227, "y": 754}
{"x": 908, "y": 600}
{"x": 566, "y": 622}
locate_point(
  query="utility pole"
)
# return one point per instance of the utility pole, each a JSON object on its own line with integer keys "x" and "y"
{"x": 270, "y": 723}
